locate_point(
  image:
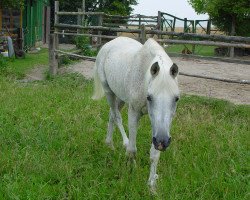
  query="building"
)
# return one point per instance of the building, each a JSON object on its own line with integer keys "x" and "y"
{"x": 31, "y": 23}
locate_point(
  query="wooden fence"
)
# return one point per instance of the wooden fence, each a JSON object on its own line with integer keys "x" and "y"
{"x": 141, "y": 26}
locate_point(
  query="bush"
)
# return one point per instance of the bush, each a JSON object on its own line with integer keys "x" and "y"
{"x": 83, "y": 43}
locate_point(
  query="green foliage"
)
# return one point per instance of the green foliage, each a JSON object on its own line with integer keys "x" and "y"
{"x": 83, "y": 43}
{"x": 121, "y": 7}
{"x": 64, "y": 60}
{"x": 16, "y": 4}
{"x": 222, "y": 12}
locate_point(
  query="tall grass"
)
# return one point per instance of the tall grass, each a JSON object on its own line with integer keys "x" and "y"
{"x": 52, "y": 147}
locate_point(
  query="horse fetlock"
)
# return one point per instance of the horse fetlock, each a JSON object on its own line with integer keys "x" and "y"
{"x": 110, "y": 143}
{"x": 131, "y": 153}
{"x": 125, "y": 142}
{"x": 152, "y": 182}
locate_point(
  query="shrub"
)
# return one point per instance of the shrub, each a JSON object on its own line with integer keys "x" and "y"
{"x": 83, "y": 43}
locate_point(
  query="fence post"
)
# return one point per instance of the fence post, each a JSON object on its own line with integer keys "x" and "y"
{"x": 53, "y": 62}
{"x": 193, "y": 31}
{"x": 79, "y": 20}
{"x": 209, "y": 26}
{"x": 185, "y": 25}
{"x": 173, "y": 28}
{"x": 100, "y": 22}
{"x": 56, "y": 22}
{"x": 83, "y": 10}
{"x": 159, "y": 23}
{"x": 143, "y": 34}
{"x": 159, "y": 27}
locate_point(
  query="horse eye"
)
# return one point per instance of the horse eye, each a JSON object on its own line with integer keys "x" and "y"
{"x": 149, "y": 98}
{"x": 177, "y": 99}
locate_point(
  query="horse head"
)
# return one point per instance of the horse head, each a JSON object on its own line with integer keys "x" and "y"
{"x": 162, "y": 97}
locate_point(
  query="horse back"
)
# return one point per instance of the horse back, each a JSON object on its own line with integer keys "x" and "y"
{"x": 114, "y": 63}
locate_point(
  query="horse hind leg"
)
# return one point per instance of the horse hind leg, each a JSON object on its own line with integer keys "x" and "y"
{"x": 109, "y": 137}
{"x": 115, "y": 117}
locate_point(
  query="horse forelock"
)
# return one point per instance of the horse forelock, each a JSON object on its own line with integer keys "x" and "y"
{"x": 163, "y": 82}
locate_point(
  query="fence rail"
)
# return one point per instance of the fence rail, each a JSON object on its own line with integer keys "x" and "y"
{"x": 142, "y": 28}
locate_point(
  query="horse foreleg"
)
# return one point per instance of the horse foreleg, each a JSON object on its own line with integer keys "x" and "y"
{"x": 154, "y": 158}
{"x": 133, "y": 119}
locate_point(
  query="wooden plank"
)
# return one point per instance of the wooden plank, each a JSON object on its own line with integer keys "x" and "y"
{"x": 98, "y": 28}
{"x": 88, "y": 35}
{"x": 127, "y": 25}
{"x": 106, "y": 15}
{"x": 76, "y": 55}
{"x": 202, "y": 36}
{"x": 216, "y": 79}
{"x": 205, "y": 43}
{"x": 221, "y": 59}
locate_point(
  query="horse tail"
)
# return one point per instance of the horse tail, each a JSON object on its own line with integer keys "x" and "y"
{"x": 98, "y": 89}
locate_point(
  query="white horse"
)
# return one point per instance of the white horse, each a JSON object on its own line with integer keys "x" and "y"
{"x": 144, "y": 77}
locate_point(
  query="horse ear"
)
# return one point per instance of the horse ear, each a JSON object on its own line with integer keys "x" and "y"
{"x": 174, "y": 70}
{"x": 155, "y": 68}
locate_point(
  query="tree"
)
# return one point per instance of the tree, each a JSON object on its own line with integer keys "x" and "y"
{"x": 230, "y": 16}
{"x": 121, "y": 7}
{"x": 12, "y": 4}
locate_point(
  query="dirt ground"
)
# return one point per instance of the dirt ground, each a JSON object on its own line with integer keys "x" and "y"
{"x": 236, "y": 93}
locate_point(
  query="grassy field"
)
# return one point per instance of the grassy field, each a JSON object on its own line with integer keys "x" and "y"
{"x": 52, "y": 146}
{"x": 199, "y": 50}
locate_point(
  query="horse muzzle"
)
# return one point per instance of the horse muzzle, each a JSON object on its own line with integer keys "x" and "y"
{"x": 161, "y": 144}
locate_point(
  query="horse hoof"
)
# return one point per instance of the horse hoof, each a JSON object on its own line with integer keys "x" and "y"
{"x": 153, "y": 190}
{"x": 152, "y": 184}
{"x": 110, "y": 145}
{"x": 131, "y": 154}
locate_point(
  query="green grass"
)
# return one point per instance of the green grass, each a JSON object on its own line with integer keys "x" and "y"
{"x": 199, "y": 50}
{"x": 52, "y": 146}
{"x": 17, "y": 68}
